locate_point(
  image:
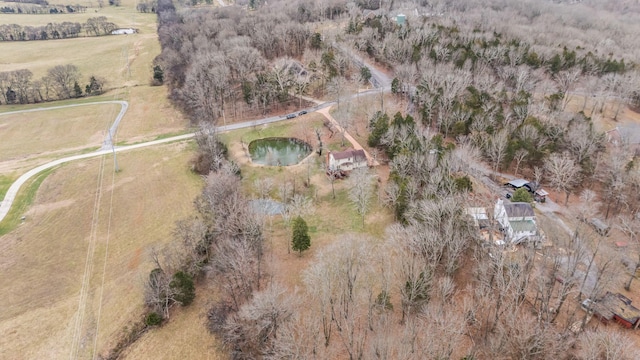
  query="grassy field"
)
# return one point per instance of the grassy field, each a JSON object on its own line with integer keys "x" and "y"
{"x": 44, "y": 259}
{"x": 104, "y": 56}
{"x": 35, "y": 133}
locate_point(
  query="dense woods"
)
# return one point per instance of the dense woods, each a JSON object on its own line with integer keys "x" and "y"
{"x": 488, "y": 81}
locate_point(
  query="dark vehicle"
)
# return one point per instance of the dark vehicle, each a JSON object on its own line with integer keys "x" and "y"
{"x": 291, "y": 116}
{"x": 302, "y": 112}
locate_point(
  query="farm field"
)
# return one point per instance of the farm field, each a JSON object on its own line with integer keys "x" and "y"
{"x": 53, "y": 263}
{"x": 44, "y": 259}
{"x": 36, "y": 133}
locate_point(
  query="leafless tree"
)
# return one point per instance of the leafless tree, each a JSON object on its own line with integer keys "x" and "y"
{"x": 519, "y": 156}
{"x": 605, "y": 343}
{"x": 340, "y": 282}
{"x": 563, "y": 173}
{"x": 361, "y": 190}
{"x": 64, "y": 76}
{"x": 263, "y": 187}
{"x": 496, "y": 149}
{"x": 251, "y": 332}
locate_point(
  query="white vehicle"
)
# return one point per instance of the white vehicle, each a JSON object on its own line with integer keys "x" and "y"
{"x": 587, "y": 306}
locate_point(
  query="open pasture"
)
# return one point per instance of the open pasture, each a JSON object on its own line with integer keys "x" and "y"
{"x": 44, "y": 259}
{"x": 59, "y": 130}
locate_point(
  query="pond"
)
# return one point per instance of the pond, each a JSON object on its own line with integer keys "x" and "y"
{"x": 278, "y": 151}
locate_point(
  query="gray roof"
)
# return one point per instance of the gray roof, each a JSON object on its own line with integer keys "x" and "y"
{"x": 518, "y": 209}
{"x": 518, "y": 183}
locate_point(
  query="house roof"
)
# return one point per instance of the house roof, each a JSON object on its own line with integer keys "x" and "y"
{"x": 518, "y": 183}
{"x": 356, "y": 154}
{"x": 519, "y": 209}
{"x": 523, "y": 225}
{"x": 617, "y": 304}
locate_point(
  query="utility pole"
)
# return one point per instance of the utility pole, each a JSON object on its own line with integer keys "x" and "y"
{"x": 113, "y": 148}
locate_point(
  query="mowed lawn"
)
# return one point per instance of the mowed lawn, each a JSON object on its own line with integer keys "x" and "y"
{"x": 43, "y": 261}
{"x": 35, "y": 133}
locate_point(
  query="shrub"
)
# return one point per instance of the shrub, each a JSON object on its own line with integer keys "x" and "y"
{"x": 153, "y": 319}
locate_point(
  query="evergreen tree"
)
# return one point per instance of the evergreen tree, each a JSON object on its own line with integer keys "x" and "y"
{"x": 522, "y": 195}
{"x": 77, "y": 89}
{"x": 185, "y": 290}
{"x": 158, "y": 75}
{"x": 301, "y": 240}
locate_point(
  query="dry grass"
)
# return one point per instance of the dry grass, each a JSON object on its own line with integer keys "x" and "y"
{"x": 183, "y": 337}
{"x": 103, "y": 56}
{"x": 32, "y": 134}
{"x": 149, "y": 115}
{"x": 43, "y": 260}
{"x": 332, "y": 217}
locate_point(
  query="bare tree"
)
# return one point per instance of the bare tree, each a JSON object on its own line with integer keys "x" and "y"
{"x": 496, "y": 149}
{"x": 605, "y": 343}
{"x": 251, "y": 332}
{"x": 563, "y": 172}
{"x": 361, "y": 190}
{"x": 519, "y": 156}
{"x": 64, "y": 77}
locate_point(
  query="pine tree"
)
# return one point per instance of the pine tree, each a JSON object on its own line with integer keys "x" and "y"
{"x": 301, "y": 240}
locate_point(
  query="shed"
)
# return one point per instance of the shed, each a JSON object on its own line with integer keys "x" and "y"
{"x": 517, "y": 183}
{"x": 617, "y": 307}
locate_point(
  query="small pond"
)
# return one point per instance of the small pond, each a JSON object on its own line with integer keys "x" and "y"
{"x": 278, "y": 151}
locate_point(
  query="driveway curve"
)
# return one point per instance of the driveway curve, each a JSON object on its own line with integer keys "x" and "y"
{"x": 381, "y": 83}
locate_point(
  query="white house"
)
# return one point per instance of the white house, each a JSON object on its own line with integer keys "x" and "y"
{"x": 124, "y": 31}
{"x": 517, "y": 220}
{"x": 347, "y": 160}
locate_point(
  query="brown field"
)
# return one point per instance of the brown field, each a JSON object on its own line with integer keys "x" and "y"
{"x": 37, "y": 133}
{"x": 150, "y": 115}
{"x": 104, "y": 56}
{"x": 44, "y": 259}
{"x": 123, "y": 16}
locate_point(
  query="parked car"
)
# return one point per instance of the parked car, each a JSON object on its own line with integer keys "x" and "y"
{"x": 302, "y": 112}
{"x": 291, "y": 116}
{"x": 587, "y": 305}
{"x": 600, "y": 226}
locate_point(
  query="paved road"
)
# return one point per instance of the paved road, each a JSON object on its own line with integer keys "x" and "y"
{"x": 379, "y": 80}
{"x": 107, "y": 146}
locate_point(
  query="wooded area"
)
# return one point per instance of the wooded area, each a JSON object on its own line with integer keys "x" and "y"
{"x": 479, "y": 81}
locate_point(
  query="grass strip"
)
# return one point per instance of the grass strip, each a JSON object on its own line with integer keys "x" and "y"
{"x": 23, "y": 200}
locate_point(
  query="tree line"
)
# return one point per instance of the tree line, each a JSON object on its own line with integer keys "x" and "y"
{"x": 61, "y": 82}
{"x": 42, "y": 9}
{"x": 96, "y": 26}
